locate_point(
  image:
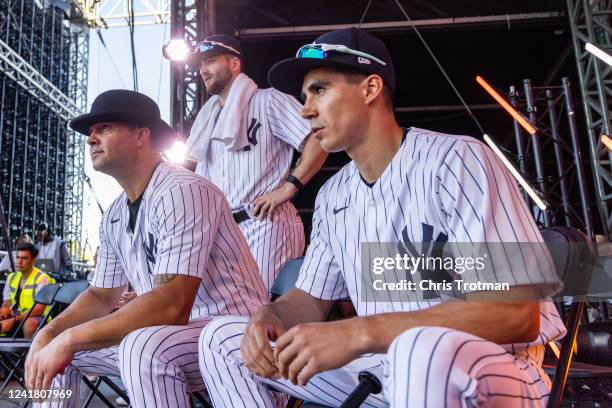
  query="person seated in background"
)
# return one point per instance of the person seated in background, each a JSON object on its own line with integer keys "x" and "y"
{"x": 19, "y": 292}
{"x": 5, "y": 264}
{"x": 51, "y": 247}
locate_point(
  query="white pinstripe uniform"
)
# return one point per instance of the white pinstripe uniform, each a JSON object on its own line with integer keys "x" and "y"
{"x": 184, "y": 227}
{"x": 437, "y": 187}
{"x": 275, "y": 128}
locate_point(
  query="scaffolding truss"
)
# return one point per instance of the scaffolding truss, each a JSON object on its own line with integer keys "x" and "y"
{"x": 43, "y": 80}
{"x": 590, "y": 23}
{"x": 116, "y": 13}
{"x": 552, "y": 159}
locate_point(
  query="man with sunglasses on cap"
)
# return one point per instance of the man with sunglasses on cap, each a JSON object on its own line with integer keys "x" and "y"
{"x": 170, "y": 235}
{"x": 417, "y": 190}
{"x": 243, "y": 141}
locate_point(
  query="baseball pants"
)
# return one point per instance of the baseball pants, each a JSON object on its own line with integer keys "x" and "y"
{"x": 158, "y": 366}
{"x": 424, "y": 367}
{"x": 275, "y": 242}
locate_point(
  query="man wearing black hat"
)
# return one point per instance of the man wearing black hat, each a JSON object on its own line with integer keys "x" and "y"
{"x": 243, "y": 140}
{"x": 423, "y": 192}
{"x": 170, "y": 236}
{"x": 51, "y": 247}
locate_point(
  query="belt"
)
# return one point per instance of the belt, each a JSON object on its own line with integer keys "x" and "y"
{"x": 240, "y": 216}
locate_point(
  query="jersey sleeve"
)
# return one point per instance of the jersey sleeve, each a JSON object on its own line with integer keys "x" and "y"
{"x": 187, "y": 222}
{"x": 487, "y": 218}
{"x": 109, "y": 271}
{"x": 286, "y": 123}
{"x": 320, "y": 275}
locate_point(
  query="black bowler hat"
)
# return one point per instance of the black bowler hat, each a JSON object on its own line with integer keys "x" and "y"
{"x": 349, "y": 47}
{"x": 121, "y": 105}
{"x": 213, "y": 45}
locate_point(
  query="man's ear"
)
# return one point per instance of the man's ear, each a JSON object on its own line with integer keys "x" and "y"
{"x": 235, "y": 64}
{"x": 143, "y": 135}
{"x": 373, "y": 87}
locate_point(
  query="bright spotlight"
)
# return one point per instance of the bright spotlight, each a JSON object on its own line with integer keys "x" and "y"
{"x": 176, "y": 50}
{"x": 176, "y": 154}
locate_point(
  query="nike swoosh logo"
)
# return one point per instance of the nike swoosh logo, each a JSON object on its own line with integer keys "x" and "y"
{"x": 337, "y": 210}
{"x": 114, "y": 221}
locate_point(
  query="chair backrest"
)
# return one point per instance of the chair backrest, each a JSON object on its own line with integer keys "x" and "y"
{"x": 46, "y": 295}
{"x": 285, "y": 281}
{"x": 574, "y": 257}
{"x": 70, "y": 290}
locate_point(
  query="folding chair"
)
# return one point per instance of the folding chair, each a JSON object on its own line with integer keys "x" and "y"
{"x": 285, "y": 281}
{"x": 65, "y": 294}
{"x": 14, "y": 349}
{"x": 574, "y": 257}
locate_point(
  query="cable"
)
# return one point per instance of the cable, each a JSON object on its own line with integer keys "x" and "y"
{"x": 433, "y": 56}
{"x": 161, "y": 64}
{"x": 110, "y": 57}
{"x": 133, "y": 48}
{"x": 364, "y": 13}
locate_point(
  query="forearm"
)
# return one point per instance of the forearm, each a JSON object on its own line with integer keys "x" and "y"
{"x": 296, "y": 307}
{"x": 311, "y": 160}
{"x": 37, "y": 311}
{"x": 150, "y": 309}
{"x": 88, "y": 305}
{"x": 498, "y": 322}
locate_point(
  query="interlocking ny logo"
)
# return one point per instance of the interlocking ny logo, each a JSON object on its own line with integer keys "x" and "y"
{"x": 434, "y": 251}
{"x": 252, "y": 131}
{"x": 150, "y": 252}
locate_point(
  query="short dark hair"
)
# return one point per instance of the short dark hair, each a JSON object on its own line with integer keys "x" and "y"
{"x": 354, "y": 76}
{"x": 28, "y": 247}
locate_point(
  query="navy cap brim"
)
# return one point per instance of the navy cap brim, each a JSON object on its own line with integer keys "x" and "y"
{"x": 288, "y": 75}
{"x": 193, "y": 58}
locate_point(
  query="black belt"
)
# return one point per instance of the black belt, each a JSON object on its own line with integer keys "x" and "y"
{"x": 240, "y": 216}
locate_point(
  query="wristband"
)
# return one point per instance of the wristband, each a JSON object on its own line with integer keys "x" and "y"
{"x": 295, "y": 181}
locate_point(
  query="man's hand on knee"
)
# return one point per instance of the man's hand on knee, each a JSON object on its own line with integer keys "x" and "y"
{"x": 256, "y": 351}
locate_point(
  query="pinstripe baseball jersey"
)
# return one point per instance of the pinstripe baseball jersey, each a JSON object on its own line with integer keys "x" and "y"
{"x": 275, "y": 128}
{"x": 438, "y": 188}
{"x": 184, "y": 227}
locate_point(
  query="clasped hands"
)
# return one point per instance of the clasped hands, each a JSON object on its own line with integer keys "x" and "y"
{"x": 299, "y": 353}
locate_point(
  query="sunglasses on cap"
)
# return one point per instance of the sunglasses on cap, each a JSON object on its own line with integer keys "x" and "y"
{"x": 320, "y": 51}
{"x": 208, "y": 45}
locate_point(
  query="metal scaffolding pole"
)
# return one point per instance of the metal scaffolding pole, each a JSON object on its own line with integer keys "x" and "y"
{"x": 452, "y": 22}
{"x": 188, "y": 22}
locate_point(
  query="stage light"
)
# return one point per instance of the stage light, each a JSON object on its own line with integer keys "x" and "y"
{"x": 599, "y": 53}
{"x": 605, "y": 139}
{"x": 176, "y": 154}
{"x": 504, "y": 104}
{"x": 534, "y": 196}
{"x": 175, "y": 50}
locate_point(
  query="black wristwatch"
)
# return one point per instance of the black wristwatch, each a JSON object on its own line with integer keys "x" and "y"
{"x": 295, "y": 181}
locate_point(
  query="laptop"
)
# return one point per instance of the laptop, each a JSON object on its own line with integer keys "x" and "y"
{"x": 46, "y": 265}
